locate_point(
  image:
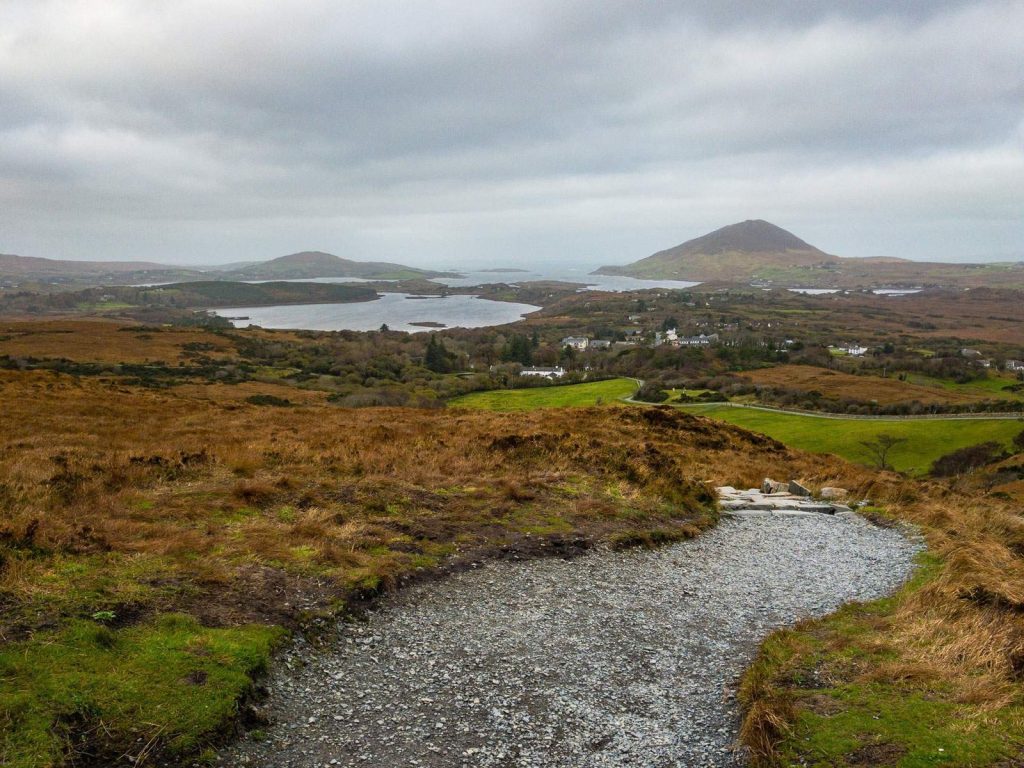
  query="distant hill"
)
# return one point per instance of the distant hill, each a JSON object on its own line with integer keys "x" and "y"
{"x": 729, "y": 253}
{"x": 34, "y": 267}
{"x": 310, "y": 264}
{"x": 759, "y": 251}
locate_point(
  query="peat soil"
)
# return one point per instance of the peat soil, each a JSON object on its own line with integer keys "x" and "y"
{"x": 611, "y": 659}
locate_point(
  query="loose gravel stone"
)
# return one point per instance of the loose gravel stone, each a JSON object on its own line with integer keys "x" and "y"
{"x": 613, "y": 659}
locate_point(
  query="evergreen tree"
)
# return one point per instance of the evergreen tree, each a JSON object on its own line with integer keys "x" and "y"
{"x": 518, "y": 350}
{"x": 436, "y": 357}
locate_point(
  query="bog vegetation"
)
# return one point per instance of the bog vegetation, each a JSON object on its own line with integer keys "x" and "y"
{"x": 177, "y": 499}
{"x": 164, "y": 538}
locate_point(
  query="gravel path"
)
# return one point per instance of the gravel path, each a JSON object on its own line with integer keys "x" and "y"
{"x": 614, "y": 659}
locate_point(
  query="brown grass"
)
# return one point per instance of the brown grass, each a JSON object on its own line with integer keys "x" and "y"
{"x": 108, "y": 341}
{"x": 172, "y": 497}
{"x": 837, "y": 385}
{"x": 116, "y": 497}
{"x": 958, "y": 637}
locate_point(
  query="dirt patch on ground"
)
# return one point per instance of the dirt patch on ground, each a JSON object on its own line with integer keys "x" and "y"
{"x": 822, "y": 705}
{"x": 262, "y": 595}
{"x": 876, "y": 754}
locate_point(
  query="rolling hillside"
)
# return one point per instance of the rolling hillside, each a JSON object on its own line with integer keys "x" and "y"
{"x": 309, "y": 264}
{"x": 728, "y": 253}
{"x": 756, "y": 250}
{"x": 295, "y": 266}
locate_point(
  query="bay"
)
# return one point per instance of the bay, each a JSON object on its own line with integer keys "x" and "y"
{"x": 399, "y": 311}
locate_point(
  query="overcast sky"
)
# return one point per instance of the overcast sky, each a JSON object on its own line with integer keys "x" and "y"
{"x": 451, "y": 132}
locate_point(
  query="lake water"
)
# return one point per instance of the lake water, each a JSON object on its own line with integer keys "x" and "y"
{"x": 564, "y": 274}
{"x": 876, "y": 291}
{"x": 398, "y": 310}
{"x": 471, "y": 278}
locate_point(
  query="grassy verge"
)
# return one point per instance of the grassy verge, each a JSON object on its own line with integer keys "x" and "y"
{"x": 591, "y": 393}
{"x": 930, "y": 676}
{"x": 926, "y": 439}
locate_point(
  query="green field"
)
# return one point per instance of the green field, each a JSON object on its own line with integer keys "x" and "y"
{"x": 994, "y": 386}
{"x": 592, "y": 393}
{"x": 927, "y": 439}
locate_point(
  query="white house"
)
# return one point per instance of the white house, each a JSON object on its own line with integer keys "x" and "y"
{"x": 855, "y": 350}
{"x": 576, "y": 342}
{"x": 547, "y": 373}
{"x": 599, "y": 344}
{"x": 1015, "y": 365}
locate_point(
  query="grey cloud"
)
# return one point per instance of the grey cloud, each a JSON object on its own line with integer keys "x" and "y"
{"x": 432, "y": 130}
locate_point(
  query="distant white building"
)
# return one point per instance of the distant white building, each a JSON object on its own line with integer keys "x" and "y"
{"x": 546, "y": 373}
{"x": 854, "y": 350}
{"x": 599, "y": 344}
{"x": 702, "y": 340}
{"x": 967, "y": 352}
{"x": 576, "y": 342}
{"x": 671, "y": 335}
{"x": 1015, "y": 365}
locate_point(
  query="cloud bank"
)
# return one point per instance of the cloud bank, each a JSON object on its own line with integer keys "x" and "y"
{"x": 440, "y": 132}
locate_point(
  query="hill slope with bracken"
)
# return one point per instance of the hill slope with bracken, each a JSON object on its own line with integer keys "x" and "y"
{"x": 144, "y": 573}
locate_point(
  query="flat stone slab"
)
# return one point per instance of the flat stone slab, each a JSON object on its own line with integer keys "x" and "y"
{"x": 732, "y": 501}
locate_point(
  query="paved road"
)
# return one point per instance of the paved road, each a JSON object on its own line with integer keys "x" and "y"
{"x": 847, "y": 416}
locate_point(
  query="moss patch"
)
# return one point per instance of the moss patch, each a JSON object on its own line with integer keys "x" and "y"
{"x": 90, "y": 692}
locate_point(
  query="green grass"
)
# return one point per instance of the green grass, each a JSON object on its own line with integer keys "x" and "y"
{"x": 926, "y": 439}
{"x": 169, "y": 682}
{"x": 994, "y": 386}
{"x": 591, "y": 393}
{"x": 909, "y": 722}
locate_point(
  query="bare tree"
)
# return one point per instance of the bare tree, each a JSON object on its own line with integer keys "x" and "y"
{"x": 879, "y": 448}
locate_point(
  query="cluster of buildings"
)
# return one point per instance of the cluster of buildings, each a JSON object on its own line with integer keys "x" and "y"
{"x": 673, "y": 339}
{"x": 670, "y": 337}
